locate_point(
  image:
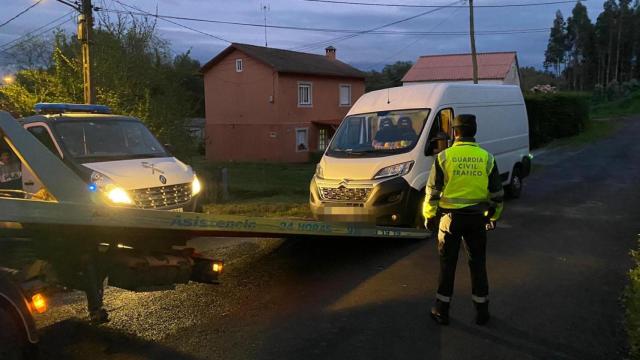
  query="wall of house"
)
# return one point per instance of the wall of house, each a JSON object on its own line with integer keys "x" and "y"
{"x": 325, "y": 101}
{"x": 238, "y": 105}
{"x": 513, "y": 77}
{"x": 253, "y": 115}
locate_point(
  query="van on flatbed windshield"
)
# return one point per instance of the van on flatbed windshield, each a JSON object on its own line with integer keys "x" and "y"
{"x": 376, "y": 167}
{"x": 114, "y": 154}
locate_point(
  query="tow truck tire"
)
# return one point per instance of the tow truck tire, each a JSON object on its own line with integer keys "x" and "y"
{"x": 514, "y": 189}
{"x": 13, "y": 338}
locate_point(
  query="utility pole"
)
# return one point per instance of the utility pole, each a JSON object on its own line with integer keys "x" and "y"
{"x": 85, "y": 35}
{"x": 472, "y": 34}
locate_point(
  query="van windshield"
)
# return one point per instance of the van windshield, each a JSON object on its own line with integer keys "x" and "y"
{"x": 378, "y": 134}
{"x": 108, "y": 140}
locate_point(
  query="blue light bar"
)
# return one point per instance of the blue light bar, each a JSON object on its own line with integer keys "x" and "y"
{"x": 58, "y": 108}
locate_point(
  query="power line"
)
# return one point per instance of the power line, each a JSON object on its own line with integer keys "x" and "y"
{"x": 339, "y": 39}
{"x": 298, "y": 28}
{"x": 36, "y": 32}
{"x": 384, "y": 61}
{"x": 165, "y": 18}
{"x": 439, "y": 6}
{"x": 21, "y": 12}
{"x": 230, "y": 22}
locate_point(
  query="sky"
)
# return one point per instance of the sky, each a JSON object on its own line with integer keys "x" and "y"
{"x": 368, "y": 51}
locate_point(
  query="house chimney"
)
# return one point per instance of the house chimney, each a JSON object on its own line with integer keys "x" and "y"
{"x": 330, "y": 53}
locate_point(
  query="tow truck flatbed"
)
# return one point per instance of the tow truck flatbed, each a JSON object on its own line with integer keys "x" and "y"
{"x": 77, "y": 206}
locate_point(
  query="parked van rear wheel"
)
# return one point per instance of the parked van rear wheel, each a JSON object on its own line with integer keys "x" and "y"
{"x": 514, "y": 189}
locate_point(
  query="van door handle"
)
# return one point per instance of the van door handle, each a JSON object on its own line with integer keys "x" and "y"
{"x": 29, "y": 183}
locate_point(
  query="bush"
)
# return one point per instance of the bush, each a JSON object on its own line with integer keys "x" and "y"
{"x": 632, "y": 304}
{"x": 553, "y": 116}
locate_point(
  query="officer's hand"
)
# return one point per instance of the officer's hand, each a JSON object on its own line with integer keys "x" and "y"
{"x": 431, "y": 224}
{"x": 491, "y": 225}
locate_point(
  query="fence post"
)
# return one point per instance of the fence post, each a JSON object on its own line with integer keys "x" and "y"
{"x": 224, "y": 176}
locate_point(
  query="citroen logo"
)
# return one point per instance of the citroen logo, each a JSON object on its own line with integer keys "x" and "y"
{"x": 153, "y": 168}
{"x": 163, "y": 179}
{"x": 343, "y": 183}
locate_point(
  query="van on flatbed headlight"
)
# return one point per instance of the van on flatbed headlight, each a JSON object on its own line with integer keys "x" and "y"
{"x": 114, "y": 154}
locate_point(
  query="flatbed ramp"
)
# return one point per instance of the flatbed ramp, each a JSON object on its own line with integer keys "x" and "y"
{"x": 56, "y": 215}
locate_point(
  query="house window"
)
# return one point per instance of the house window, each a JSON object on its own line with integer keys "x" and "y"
{"x": 322, "y": 139}
{"x": 345, "y": 95}
{"x": 304, "y": 94}
{"x": 302, "y": 139}
{"x": 239, "y": 65}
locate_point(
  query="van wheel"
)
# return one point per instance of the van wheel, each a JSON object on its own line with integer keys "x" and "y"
{"x": 514, "y": 189}
{"x": 13, "y": 340}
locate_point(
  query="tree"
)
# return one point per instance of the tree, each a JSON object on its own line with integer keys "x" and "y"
{"x": 531, "y": 77}
{"x": 134, "y": 73}
{"x": 579, "y": 41}
{"x": 604, "y": 30}
{"x": 390, "y": 76}
{"x": 556, "y": 47}
{"x": 635, "y": 48}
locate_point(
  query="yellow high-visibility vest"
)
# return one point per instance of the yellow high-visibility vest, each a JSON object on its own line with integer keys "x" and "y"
{"x": 466, "y": 168}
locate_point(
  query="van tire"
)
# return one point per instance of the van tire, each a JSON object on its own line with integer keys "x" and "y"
{"x": 13, "y": 338}
{"x": 514, "y": 189}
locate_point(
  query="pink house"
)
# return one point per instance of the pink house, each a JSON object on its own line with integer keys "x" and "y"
{"x": 265, "y": 104}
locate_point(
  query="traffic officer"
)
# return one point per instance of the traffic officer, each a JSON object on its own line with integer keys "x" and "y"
{"x": 464, "y": 192}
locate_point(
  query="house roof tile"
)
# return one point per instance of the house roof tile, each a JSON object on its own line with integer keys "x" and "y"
{"x": 459, "y": 67}
{"x": 286, "y": 61}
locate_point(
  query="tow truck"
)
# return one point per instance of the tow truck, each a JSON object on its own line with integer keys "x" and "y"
{"x": 80, "y": 238}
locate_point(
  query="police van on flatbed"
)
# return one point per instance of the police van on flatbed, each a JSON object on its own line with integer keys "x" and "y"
{"x": 113, "y": 153}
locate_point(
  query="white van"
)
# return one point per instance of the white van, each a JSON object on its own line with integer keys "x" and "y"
{"x": 112, "y": 153}
{"x": 376, "y": 167}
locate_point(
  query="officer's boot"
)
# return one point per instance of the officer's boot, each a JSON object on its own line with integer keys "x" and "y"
{"x": 440, "y": 312}
{"x": 482, "y": 312}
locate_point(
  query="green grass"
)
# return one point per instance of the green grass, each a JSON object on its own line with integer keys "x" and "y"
{"x": 594, "y": 130}
{"x": 260, "y": 189}
{"x": 627, "y": 106}
{"x": 632, "y": 305}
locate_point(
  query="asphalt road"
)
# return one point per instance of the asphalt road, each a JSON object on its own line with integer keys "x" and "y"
{"x": 557, "y": 268}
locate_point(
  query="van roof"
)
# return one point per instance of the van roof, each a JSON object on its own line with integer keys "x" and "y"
{"x": 422, "y": 96}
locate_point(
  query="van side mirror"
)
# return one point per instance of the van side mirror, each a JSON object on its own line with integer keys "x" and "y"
{"x": 440, "y": 136}
{"x": 432, "y": 146}
{"x": 169, "y": 148}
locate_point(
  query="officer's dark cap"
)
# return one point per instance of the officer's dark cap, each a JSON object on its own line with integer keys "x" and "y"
{"x": 465, "y": 120}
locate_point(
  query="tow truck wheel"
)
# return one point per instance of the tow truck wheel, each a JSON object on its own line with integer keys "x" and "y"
{"x": 13, "y": 339}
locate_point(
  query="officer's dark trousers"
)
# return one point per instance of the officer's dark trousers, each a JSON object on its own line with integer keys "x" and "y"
{"x": 453, "y": 228}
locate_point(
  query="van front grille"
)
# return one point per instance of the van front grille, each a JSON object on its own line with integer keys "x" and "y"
{"x": 345, "y": 194}
{"x": 162, "y": 196}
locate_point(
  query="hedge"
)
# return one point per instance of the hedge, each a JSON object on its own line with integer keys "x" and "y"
{"x": 556, "y": 115}
{"x": 632, "y": 305}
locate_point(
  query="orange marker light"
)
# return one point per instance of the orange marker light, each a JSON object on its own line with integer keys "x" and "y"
{"x": 38, "y": 303}
{"x": 217, "y": 267}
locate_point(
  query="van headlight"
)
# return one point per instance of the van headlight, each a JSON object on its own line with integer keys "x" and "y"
{"x": 115, "y": 193}
{"x": 118, "y": 195}
{"x": 195, "y": 186}
{"x": 395, "y": 170}
{"x": 319, "y": 171}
